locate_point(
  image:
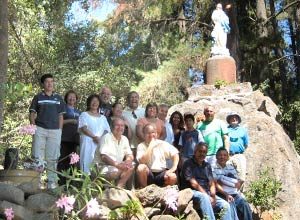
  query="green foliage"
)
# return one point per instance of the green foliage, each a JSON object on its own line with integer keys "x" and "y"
{"x": 263, "y": 192}
{"x": 219, "y": 83}
{"x": 132, "y": 208}
{"x": 291, "y": 121}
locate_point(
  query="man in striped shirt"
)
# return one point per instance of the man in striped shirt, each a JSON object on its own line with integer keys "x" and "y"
{"x": 228, "y": 185}
{"x": 46, "y": 112}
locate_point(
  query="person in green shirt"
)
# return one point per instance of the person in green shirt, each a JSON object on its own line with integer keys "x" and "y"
{"x": 214, "y": 132}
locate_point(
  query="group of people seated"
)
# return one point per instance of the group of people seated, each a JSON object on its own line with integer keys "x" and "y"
{"x": 203, "y": 154}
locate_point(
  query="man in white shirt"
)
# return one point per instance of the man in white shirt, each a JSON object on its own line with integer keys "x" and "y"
{"x": 152, "y": 155}
{"x": 132, "y": 113}
{"x": 162, "y": 115}
{"x": 114, "y": 156}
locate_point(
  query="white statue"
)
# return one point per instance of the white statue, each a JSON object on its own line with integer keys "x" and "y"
{"x": 219, "y": 33}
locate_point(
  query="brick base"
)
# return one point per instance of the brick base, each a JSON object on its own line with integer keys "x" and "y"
{"x": 220, "y": 68}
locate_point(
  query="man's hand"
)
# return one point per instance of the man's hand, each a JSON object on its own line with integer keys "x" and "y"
{"x": 229, "y": 198}
{"x": 168, "y": 172}
{"x": 122, "y": 166}
{"x": 213, "y": 200}
{"x": 96, "y": 139}
{"x": 238, "y": 185}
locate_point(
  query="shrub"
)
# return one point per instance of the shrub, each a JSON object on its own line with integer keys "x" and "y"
{"x": 262, "y": 192}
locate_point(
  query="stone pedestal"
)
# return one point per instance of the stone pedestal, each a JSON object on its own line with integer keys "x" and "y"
{"x": 220, "y": 68}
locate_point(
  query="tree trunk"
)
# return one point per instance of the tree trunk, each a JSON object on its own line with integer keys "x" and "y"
{"x": 3, "y": 53}
{"x": 261, "y": 13}
{"x": 297, "y": 43}
{"x": 279, "y": 54}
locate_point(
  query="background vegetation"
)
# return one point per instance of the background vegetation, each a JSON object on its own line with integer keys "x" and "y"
{"x": 146, "y": 45}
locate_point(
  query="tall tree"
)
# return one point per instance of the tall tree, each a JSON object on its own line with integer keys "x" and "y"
{"x": 278, "y": 51}
{"x": 3, "y": 53}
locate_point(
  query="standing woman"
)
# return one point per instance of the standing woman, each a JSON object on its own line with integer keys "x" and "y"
{"x": 176, "y": 120}
{"x": 92, "y": 126}
{"x": 70, "y": 136}
{"x": 151, "y": 113}
{"x": 117, "y": 111}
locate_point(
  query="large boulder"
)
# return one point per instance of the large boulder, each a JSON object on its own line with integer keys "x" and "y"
{"x": 114, "y": 198}
{"x": 20, "y": 213}
{"x": 269, "y": 145}
{"x": 11, "y": 193}
{"x": 150, "y": 195}
{"x": 41, "y": 202}
{"x": 184, "y": 197}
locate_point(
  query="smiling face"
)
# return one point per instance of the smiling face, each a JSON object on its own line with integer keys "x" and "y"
{"x": 222, "y": 157}
{"x": 117, "y": 110}
{"x": 48, "y": 85}
{"x": 151, "y": 112}
{"x": 150, "y": 133}
{"x": 209, "y": 113}
{"x": 71, "y": 99}
{"x": 105, "y": 95}
{"x": 163, "y": 112}
{"x": 233, "y": 120}
{"x": 133, "y": 100}
{"x": 118, "y": 127}
{"x": 200, "y": 153}
{"x": 176, "y": 120}
{"x": 94, "y": 105}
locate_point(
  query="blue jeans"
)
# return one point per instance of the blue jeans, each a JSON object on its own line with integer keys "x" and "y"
{"x": 243, "y": 208}
{"x": 207, "y": 210}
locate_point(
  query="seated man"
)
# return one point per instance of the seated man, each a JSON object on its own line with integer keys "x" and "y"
{"x": 228, "y": 184}
{"x": 152, "y": 155}
{"x": 113, "y": 157}
{"x": 197, "y": 174}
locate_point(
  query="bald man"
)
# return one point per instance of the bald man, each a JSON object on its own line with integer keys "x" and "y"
{"x": 152, "y": 155}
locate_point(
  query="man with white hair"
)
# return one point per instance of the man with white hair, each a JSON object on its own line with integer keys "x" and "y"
{"x": 113, "y": 156}
{"x": 105, "y": 98}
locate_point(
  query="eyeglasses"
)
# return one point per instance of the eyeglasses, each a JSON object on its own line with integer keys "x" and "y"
{"x": 134, "y": 115}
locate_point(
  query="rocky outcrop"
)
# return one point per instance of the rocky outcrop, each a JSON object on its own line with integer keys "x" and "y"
{"x": 37, "y": 206}
{"x": 269, "y": 145}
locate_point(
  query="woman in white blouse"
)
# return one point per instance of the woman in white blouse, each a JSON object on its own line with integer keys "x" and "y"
{"x": 92, "y": 126}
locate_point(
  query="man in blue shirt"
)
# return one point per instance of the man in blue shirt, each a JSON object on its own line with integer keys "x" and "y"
{"x": 239, "y": 140}
{"x": 197, "y": 175}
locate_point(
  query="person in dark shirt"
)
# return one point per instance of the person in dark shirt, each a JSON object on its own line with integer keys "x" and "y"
{"x": 46, "y": 112}
{"x": 197, "y": 174}
{"x": 70, "y": 135}
{"x": 105, "y": 98}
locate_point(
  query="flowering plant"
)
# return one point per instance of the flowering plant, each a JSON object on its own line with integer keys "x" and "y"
{"x": 9, "y": 213}
{"x": 80, "y": 192}
{"x": 171, "y": 198}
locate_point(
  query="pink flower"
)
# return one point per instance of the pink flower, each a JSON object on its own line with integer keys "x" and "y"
{"x": 27, "y": 130}
{"x": 171, "y": 198}
{"x": 74, "y": 158}
{"x": 9, "y": 213}
{"x": 93, "y": 208}
{"x": 66, "y": 202}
